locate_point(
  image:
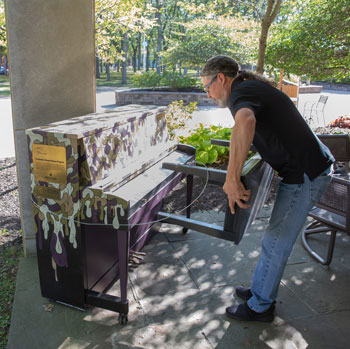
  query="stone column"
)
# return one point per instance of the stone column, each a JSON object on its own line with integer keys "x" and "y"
{"x": 52, "y": 73}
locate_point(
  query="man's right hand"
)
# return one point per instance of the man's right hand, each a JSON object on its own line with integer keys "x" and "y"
{"x": 236, "y": 194}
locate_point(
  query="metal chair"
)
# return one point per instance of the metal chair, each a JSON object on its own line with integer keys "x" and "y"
{"x": 313, "y": 108}
{"x": 332, "y": 212}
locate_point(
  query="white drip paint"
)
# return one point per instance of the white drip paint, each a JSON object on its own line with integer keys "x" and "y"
{"x": 105, "y": 214}
{"x": 71, "y": 224}
{"x": 58, "y": 227}
{"x": 45, "y": 224}
{"x": 88, "y": 203}
{"x": 116, "y": 224}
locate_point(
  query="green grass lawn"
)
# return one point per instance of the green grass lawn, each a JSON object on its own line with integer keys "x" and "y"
{"x": 116, "y": 79}
{"x": 4, "y": 86}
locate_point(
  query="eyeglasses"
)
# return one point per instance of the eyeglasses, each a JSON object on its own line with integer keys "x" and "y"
{"x": 206, "y": 87}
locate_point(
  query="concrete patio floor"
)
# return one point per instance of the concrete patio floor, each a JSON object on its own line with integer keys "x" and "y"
{"x": 179, "y": 293}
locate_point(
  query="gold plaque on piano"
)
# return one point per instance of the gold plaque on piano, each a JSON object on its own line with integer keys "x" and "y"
{"x": 49, "y": 164}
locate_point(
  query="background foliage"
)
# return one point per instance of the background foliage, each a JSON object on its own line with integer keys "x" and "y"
{"x": 314, "y": 40}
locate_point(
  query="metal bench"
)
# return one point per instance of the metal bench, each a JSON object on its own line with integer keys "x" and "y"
{"x": 332, "y": 212}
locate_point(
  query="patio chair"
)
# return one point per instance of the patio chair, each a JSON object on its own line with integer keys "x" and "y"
{"x": 332, "y": 212}
{"x": 292, "y": 91}
{"x": 312, "y": 109}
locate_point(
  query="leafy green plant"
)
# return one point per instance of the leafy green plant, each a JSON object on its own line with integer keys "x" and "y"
{"x": 176, "y": 80}
{"x": 206, "y": 152}
{"x": 170, "y": 79}
{"x": 147, "y": 79}
{"x": 177, "y": 115}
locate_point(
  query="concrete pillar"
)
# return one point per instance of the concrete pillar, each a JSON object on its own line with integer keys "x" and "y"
{"x": 52, "y": 74}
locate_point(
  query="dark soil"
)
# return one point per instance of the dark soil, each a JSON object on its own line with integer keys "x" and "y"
{"x": 213, "y": 196}
{"x": 11, "y": 248}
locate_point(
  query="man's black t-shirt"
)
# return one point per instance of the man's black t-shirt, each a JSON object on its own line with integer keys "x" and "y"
{"x": 282, "y": 136}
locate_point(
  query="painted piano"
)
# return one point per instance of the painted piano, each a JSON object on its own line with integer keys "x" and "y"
{"x": 97, "y": 184}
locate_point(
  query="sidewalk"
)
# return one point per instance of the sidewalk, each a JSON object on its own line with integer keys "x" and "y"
{"x": 179, "y": 293}
{"x": 178, "y": 297}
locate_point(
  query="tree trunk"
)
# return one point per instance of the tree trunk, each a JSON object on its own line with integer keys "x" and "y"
{"x": 139, "y": 52}
{"x": 98, "y": 75}
{"x": 134, "y": 59}
{"x": 273, "y": 7}
{"x": 147, "y": 58}
{"x": 125, "y": 55}
{"x": 160, "y": 34}
{"x": 108, "y": 72}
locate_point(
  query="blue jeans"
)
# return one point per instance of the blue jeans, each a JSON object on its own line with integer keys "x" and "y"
{"x": 293, "y": 203}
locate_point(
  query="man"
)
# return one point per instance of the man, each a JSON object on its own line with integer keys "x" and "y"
{"x": 268, "y": 119}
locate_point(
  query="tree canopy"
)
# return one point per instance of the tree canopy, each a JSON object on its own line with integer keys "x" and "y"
{"x": 314, "y": 40}
{"x": 3, "y": 42}
{"x": 204, "y": 38}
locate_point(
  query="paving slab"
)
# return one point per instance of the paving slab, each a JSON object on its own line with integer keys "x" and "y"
{"x": 178, "y": 295}
{"x": 323, "y": 289}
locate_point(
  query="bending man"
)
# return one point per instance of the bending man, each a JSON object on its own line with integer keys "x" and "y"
{"x": 267, "y": 118}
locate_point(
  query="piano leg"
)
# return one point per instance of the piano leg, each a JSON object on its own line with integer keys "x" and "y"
{"x": 189, "y": 188}
{"x": 123, "y": 252}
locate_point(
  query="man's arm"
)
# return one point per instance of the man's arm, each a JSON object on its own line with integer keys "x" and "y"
{"x": 241, "y": 139}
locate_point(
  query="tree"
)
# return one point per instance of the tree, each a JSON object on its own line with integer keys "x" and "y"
{"x": 204, "y": 38}
{"x": 116, "y": 21}
{"x": 315, "y": 41}
{"x": 271, "y": 12}
{"x": 3, "y": 40}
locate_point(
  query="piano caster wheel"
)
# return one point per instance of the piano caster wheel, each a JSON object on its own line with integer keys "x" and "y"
{"x": 123, "y": 319}
{"x": 184, "y": 230}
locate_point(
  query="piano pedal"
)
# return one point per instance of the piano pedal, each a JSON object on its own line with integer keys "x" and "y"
{"x": 134, "y": 261}
{"x": 137, "y": 254}
{"x": 135, "y": 257}
{"x": 132, "y": 266}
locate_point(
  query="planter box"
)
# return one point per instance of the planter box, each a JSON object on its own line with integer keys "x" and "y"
{"x": 310, "y": 89}
{"x": 143, "y": 97}
{"x": 140, "y": 96}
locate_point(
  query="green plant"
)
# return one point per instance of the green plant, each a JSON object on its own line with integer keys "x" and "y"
{"x": 147, "y": 79}
{"x": 177, "y": 115}
{"x": 176, "y": 80}
{"x": 206, "y": 152}
{"x": 170, "y": 79}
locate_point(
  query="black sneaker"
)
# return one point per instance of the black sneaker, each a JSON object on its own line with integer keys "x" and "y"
{"x": 244, "y": 313}
{"x": 243, "y": 292}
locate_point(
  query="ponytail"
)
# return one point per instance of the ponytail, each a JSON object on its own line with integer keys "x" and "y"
{"x": 249, "y": 75}
{"x": 229, "y": 67}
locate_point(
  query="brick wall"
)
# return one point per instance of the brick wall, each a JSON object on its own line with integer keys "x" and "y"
{"x": 160, "y": 97}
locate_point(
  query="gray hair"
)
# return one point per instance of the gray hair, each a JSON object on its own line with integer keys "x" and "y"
{"x": 229, "y": 67}
{"x": 220, "y": 64}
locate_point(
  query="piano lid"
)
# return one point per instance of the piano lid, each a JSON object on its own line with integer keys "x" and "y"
{"x": 94, "y": 123}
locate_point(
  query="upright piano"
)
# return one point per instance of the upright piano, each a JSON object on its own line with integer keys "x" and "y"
{"x": 97, "y": 184}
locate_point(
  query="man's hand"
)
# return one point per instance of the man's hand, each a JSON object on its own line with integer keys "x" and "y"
{"x": 236, "y": 193}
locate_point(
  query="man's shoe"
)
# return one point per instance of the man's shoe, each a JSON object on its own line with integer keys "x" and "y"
{"x": 243, "y": 292}
{"x": 244, "y": 313}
